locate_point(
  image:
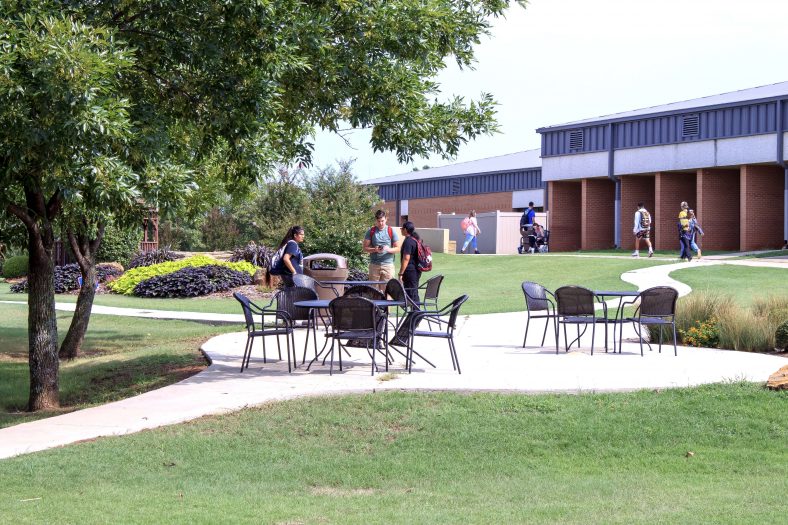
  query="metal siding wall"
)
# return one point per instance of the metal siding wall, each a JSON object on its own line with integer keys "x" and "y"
{"x": 491, "y": 183}
{"x": 738, "y": 121}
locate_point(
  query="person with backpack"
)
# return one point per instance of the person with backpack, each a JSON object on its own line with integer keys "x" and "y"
{"x": 381, "y": 242}
{"x": 409, "y": 272}
{"x": 288, "y": 259}
{"x": 685, "y": 233}
{"x": 471, "y": 229}
{"x": 642, "y": 230}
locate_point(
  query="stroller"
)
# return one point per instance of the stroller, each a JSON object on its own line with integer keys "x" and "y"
{"x": 541, "y": 242}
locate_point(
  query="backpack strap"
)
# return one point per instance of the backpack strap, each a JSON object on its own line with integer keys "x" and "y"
{"x": 372, "y": 236}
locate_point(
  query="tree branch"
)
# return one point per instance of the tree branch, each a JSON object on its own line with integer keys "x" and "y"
{"x": 79, "y": 250}
{"x": 20, "y": 213}
{"x": 54, "y": 204}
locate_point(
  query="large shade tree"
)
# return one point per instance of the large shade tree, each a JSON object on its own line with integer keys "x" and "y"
{"x": 107, "y": 103}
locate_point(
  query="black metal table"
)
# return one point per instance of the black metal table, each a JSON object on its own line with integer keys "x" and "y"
{"x": 618, "y": 317}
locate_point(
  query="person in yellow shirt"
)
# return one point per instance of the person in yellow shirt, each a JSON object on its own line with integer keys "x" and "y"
{"x": 685, "y": 233}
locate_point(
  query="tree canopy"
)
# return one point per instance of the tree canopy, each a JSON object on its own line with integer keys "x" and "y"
{"x": 105, "y": 104}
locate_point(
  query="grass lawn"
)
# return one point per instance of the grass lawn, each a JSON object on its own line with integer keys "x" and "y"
{"x": 741, "y": 282}
{"x": 713, "y": 454}
{"x": 122, "y": 357}
{"x": 674, "y": 254}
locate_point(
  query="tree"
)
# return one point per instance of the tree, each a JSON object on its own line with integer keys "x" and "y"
{"x": 104, "y": 103}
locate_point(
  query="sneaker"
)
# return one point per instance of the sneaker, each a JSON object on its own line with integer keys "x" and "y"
{"x": 476, "y": 252}
{"x": 650, "y": 254}
{"x": 462, "y": 251}
{"x": 635, "y": 254}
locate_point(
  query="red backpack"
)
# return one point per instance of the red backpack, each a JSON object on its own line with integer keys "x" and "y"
{"x": 424, "y": 262}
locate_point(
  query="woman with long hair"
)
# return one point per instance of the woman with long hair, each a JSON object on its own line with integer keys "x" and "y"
{"x": 471, "y": 231}
{"x": 409, "y": 272}
{"x": 288, "y": 260}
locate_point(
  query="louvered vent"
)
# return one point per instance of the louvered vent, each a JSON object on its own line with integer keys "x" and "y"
{"x": 690, "y": 126}
{"x": 575, "y": 140}
{"x": 455, "y": 186}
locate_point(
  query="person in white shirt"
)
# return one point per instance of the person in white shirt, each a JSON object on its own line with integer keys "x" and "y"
{"x": 471, "y": 231}
{"x": 642, "y": 229}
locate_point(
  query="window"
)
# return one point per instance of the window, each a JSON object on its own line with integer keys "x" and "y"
{"x": 456, "y": 186}
{"x": 576, "y": 140}
{"x": 690, "y": 126}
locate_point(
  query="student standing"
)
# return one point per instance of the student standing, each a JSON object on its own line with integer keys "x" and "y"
{"x": 685, "y": 235}
{"x": 381, "y": 242}
{"x": 409, "y": 272}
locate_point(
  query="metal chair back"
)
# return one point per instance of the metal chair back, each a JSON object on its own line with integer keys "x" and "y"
{"x": 575, "y": 301}
{"x": 535, "y": 297}
{"x": 304, "y": 281}
{"x": 365, "y": 291}
{"x": 287, "y": 297}
{"x": 245, "y": 306}
{"x": 659, "y": 301}
{"x": 432, "y": 288}
{"x": 352, "y": 314}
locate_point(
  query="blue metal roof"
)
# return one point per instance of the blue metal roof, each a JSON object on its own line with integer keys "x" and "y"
{"x": 738, "y": 114}
{"x": 516, "y": 171}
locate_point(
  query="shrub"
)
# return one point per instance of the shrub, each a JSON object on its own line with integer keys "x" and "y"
{"x": 119, "y": 244}
{"x": 258, "y": 255}
{"x": 66, "y": 277}
{"x": 741, "y": 329}
{"x": 781, "y": 336}
{"x": 15, "y": 267}
{"x": 703, "y": 334}
{"x": 126, "y": 283}
{"x": 193, "y": 282}
{"x": 155, "y": 257}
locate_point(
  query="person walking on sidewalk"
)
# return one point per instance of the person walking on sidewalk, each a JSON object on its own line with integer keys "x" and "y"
{"x": 642, "y": 229}
{"x": 696, "y": 232}
{"x": 471, "y": 228}
{"x": 381, "y": 242}
{"x": 685, "y": 235}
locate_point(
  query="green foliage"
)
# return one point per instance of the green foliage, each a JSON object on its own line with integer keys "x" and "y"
{"x": 126, "y": 283}
{"x": 180, "y": 235}
{"x": 15, "y": 267}
{"x": 781, "y": 336}
{"x": 285, "y": 203}
{"x": 704, "y": 334}
{"x": 220, "y": 231}
{"x": 119, "y": 244}
{"x": 340, "y": 212}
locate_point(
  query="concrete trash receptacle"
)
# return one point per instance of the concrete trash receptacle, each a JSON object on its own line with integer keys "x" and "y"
{"x": 326, "y": 266}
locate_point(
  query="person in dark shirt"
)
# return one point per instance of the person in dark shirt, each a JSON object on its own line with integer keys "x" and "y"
{"x": 290, "y": 260}
{"x": 409, "y": 273}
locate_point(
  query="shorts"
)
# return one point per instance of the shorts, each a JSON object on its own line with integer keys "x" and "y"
{"x": 643, "y": 234}
{"x": 381, "y": 272}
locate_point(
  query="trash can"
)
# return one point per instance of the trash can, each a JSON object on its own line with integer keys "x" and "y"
{"x": 326, "y": 266}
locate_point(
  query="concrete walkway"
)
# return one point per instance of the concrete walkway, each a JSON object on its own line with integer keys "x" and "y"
{"x": 490, "y": 353}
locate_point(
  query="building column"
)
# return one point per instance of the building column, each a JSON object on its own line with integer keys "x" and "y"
{"x": 635, "y": 189}
{"x": 597, "y": 214}
{"x": 762, "y": 209}
{"x": 718, "y": 208}
{"x": 670, "y": 188}
{"x": 565, "y": 215}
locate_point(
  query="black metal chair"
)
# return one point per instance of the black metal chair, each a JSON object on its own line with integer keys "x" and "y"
{"x": 306, "y": 281}
{"x": 537, "y": 300}
{"x": 355, "y": 319}
{"x": 657, "y": 307}
{"x": 278, "y": 324}
{"x": 431, "y": 288}
{"x": 446, "y": 318}
{"x": 575, "y": 305}
{"x": 299, "y": 317}
{"x": 365, "y": 291}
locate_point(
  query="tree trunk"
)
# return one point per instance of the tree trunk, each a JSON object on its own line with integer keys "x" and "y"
{"x": 85, "y": 251}
{"x": 42, "y": 321}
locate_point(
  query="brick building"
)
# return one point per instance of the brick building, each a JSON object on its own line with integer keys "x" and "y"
{"x": 504, "y": 183}
{"x": 724, "y": 154}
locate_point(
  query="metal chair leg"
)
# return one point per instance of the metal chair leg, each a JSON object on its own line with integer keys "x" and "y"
{"x": 527, "y": 322}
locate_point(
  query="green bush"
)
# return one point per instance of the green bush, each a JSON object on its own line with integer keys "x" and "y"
{"x": 781, "y": 336}
{"x": 705, "y": 334}
{"x": 15, "y": 267}
{"x": 119, "y": 244}
{"x": 126, "y": 283}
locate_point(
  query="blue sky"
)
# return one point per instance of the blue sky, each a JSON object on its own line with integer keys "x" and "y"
{"x": 563, "y": 60}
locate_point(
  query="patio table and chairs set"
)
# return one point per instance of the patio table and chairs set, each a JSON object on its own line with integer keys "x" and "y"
{"x": 355, "y": 314}
{"x": 579, "y": 306}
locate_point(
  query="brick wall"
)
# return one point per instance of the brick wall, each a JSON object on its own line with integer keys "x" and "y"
{"x": 565, "y": 215}
{"x": 762, "y": 199}
{"x": 598, "y": 198}
{"x": 424, "y": 212}
{"x": 669, "y": 190}
{"x": 717, "y": 208}
{"x": 635, "y": 189}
